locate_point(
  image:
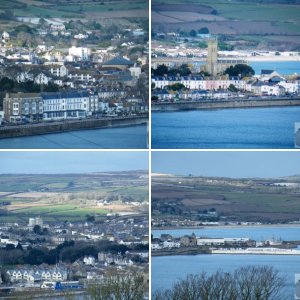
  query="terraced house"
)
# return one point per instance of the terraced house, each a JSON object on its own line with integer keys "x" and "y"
{"x": 29, "y": 107}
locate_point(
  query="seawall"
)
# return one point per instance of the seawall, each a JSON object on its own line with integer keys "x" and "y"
{"x": 221, "y": 104}
{"x": 63, "y": 126}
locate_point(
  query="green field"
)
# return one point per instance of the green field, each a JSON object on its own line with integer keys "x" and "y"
{"x": 244, "y": 201}
{"x": 66, "y": 9}
{"x": 71, "y": 196}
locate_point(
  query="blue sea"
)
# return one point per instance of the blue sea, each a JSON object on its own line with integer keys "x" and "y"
{"x": 257, "y": 233}
{"x": 132, "y": 137}
{"x": 166, "y": 270}
{"x": 282, "y": 67}
{"x": 245, "y": 128}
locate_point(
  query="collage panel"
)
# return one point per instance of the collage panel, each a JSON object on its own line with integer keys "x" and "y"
{"x": 225, "y": 74}
{"x": 74, "y": 74}
{"x": 225, "y": 225}
{"x": 74, "y": 225}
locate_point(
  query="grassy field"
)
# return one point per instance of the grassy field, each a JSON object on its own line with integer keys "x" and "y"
{"x": 232, "y": 18}
{"x": 69, "y": 9}
{"x": 71, "y": 196}
{"x": 244, "y": 203}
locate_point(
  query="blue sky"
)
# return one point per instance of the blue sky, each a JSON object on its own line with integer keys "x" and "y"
{"x": 50, "y": 162}
{"x": 228, "y": 164}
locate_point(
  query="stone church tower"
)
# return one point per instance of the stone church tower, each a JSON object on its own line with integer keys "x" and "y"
{"x": 212, "y": 57}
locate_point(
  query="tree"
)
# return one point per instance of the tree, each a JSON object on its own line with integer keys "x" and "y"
{"x": 6, "y": 84}
{"x": 37, "y": 229}
{"x": 232, "y": 88}
{"x": 161, "y": 70}
{"x": 176, "y": 87}
{"x": 119, "y": 288}
{"x": 246, "y": 283}
{"x": 203, "y": 30}
{"x": 193, "y": 33}
{"x": 241, "y": 70}
{"x": 90, "y": 218}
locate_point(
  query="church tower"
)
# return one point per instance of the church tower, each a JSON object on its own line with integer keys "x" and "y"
{"x": 212, "y": 57}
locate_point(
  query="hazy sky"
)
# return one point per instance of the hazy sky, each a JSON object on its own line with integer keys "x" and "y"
{"x": 227, "y": 164}
{"x": 71, "y": 162}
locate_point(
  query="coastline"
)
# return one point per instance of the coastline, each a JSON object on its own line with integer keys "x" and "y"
{"x": 227, "y": 226}
{"x": 222, "y": 104}
{"x": 65, "y": 126}
{"x": 276, "y": 58}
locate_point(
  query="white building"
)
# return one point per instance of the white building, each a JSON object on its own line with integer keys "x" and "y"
{"x": 69, "y": 105}
{"x": 35, "y": 221}
{"x": 80, "y": 53}
{"x": 89, "y": 260}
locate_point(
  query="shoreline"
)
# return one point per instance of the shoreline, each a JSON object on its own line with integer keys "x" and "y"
{"x": 14, "y": 131}
{"x": 222, "y": 104}
{"x": 227, "y": 226}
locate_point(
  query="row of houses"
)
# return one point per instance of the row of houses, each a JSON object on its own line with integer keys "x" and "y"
{"x": 275, "y": 85}
{"x": 33, "y": 274}
{"x": 49, "y": 106}
{"x": 168, "y": 242}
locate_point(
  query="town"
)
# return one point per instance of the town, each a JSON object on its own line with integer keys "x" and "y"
{"x": 191, "y": 77}
{"x": 59, "y": 69}
{"x": 75, "y": 232}
{"x": 166, "y": 244}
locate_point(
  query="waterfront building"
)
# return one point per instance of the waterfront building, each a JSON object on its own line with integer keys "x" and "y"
{"x": 22, "y": 106}
{"x": 69, "y": 105}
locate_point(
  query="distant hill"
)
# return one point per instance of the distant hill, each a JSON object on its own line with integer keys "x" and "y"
{"x": 263, "y": 200}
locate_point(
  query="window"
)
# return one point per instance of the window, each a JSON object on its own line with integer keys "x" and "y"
{"x": 33, "y": 107}
{"x": 15, "y": 108}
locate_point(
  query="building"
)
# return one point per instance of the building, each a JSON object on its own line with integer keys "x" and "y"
{"x": 35, "y": 221}
{"x": 215, "y": 66}
{"x": 69, "y": 105}
{"x": 80, "y": 53}
{"x": 20, "y": 107}
{"x": 118, "y": 63}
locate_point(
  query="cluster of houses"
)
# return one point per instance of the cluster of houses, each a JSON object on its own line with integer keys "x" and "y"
{"x": 167, "y": 241}
{"x": 269, "y": 83}
{"x": 34, "y": 274}
{"x": 86, "y": 268}
{"x": 76, "y": 104}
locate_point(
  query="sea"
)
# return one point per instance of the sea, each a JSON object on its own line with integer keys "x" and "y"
{"x": 166, "y": 270}
{"x": 281, "y": 67}
{"x": 257, "y": 233}
{"x": 240, "y": 128}
{"x": 131, "y": 137}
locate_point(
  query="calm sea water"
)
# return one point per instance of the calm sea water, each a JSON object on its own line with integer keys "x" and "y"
{"x": 166, "y": 270}
{"x": 257, "y": 233}
{"x": 249, "y": 128}
{"x": 133, "y": 137}
{"x": 282, "y": 67}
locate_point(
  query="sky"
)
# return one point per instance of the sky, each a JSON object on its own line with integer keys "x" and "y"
{"x": 49, "y": 162}
{"x": 228, "y": 164}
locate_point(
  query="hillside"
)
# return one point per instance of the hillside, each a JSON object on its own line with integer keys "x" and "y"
{"x": 240, "y": 22}
{"x": 72, "y": 196}
{"x": 262, "y": 200}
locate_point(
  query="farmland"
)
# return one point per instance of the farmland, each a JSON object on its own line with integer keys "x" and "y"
{"x": 252, "y": 18}
{"x": 244, "y": 199}
{"x": 72, "y": 196}
{"x": 75, "y": 9}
